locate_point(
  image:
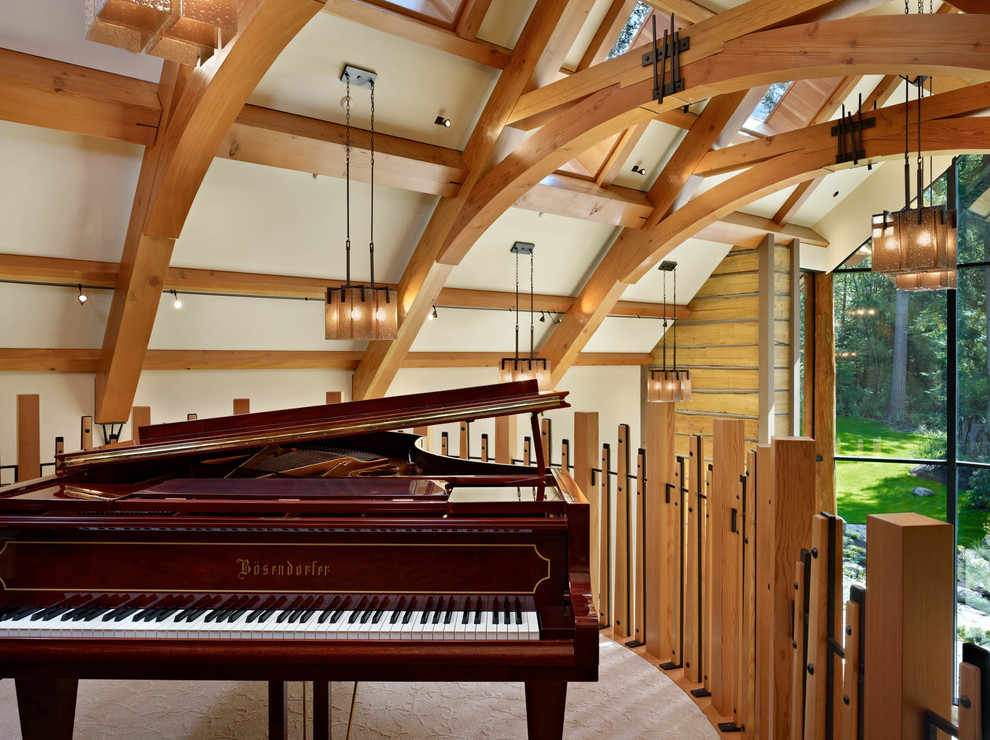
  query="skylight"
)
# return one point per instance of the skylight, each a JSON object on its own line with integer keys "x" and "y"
{"x": 769, "y": 101}
{"x": 630, "y": 30}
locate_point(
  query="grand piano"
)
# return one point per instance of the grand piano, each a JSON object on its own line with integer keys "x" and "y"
{"x": 313, "y": 544}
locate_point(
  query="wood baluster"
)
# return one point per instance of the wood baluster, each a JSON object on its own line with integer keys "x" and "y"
{"x": 484, "y": 448}
{"x": 28, "y": 436}
{"x": 799, "y": 644}
{"x": 605, "y": 543}
{"x": 852, "y": 678}
{"x": 694, "y": 553}
{"x": 620, "y": 624}
{"x": 445, "y": 444}
{"x": 426, "y": 435}
{"x": 464, "y": 446}
{"x": 639, "y": 584}
{"x": 86, "y": 433}
{"x": 527, "y": 451}
{"x": 585, "y": 459}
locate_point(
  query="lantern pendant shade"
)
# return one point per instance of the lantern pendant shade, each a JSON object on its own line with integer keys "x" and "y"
{"x": 360, "y": 312}
{"x": 914, "y": 241}
{"x": 921, "y": 281}
{"x": 668, "y": 386}
{"x": 512, "y": 369}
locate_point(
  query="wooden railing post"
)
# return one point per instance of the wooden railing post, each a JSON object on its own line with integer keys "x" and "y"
{"x": 140, "y": 417}
{"x": 28, "y": 436}
{"x": 658, "y": 436}
{"x": 505, "y": 440}
{"x": 585, "y": 459}
{"x": 909, "y": 624}
{"x": 620, "y": 623}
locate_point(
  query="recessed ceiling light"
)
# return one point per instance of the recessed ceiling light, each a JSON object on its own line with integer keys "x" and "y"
{"x": 441, "y": 121}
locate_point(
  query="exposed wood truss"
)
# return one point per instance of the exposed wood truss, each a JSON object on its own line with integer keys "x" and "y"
{"x": 55, "y": 271}
{"x": 817, "y": 156}
{"x": 200, "y": 107}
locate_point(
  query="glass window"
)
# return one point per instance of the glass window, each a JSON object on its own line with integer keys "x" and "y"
{"x": 630, "y": 30}
{"x": 769, "y": 100}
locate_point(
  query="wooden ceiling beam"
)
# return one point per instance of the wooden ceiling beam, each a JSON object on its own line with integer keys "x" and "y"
{"x": 955, "y": 103}
{"x": 707, "y": 39}
{"x": 689, "y": 10}
{"x": 425, "y": 276}
{"x": 86, "y": 360}
{"x": 289, "y": 141}
{"x": 968, "y": 6}
{"x": 92, "y": 274}
{"x": 44, "y": 92}
{"x": 407, "y": 27}
{"x": 199, "y": 107}
{"x": 798, "y": 197}
{"x": 608, "y": 31}
{"x": 471, "y": 17}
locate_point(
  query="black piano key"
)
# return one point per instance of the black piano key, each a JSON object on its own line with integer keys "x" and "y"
{"x": 337, "y": 616}
{"x": 495, "y": 616}
{"x": 91, "y": 617}
{"x": 477, "y": 616}
{"x": 283, "y": 615}
{"x": 355, "y": 616}
{"x": 266, "y": 615}
{"x": 234, "y": 615}
{"x": 253, "y": 616}
{"x": 125, "y": 613}
{"x": 507, "y": 615}
{"x": 165, "y": 613}
{"x": 19, "y": 611}
{"x": 436, "y": 616}
{"x": 307, "y": 615}
{"x": 447, "y": 615}
{"x": 84, "y": 613}
{"x": 425, "y": 618}
{"x": 50, "y": 613}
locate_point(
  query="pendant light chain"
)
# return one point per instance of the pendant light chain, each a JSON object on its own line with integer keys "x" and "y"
{"x": 517, "y": 310}
{"x": 371, "y": 243}
{"x": 347, "y": 179}
{"x": 532, "y": 257}
{"x": 665, "y": 322}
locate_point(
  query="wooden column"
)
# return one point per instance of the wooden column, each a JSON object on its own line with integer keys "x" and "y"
{"x": 808, "y": 390}
{"x": 586, "y": 458}
{"x": 909, "y": 624}
{"x": 620, "y": 623}
{"x": 140, "y": 417}
{"x": 794, "y": 504}
{"x": 242, "y": 406}
{"x": 794, "y": 341}
{"x": 825, "y": 393}
{"x": 334, "y": 396}
{"x": 605, "y": 538}
{"x": 637, "y": 619}
{"x": 658, "y": 440}
{"x": 728, "y": 464}
{"x": 28, "y": 436}
{"x": 505, "y": 440}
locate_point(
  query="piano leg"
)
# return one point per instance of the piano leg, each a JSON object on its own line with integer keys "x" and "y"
{"x": 278, "y": 715}
{"x": 321, "y": 710}
{"x": 545, "y": 702}
{"x": 47, "y": 708}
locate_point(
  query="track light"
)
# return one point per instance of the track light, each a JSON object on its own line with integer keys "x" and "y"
{"x": 82, "y": 296}
{"x": 543, "y": 317}
{"x": 638, "y": 170}
{"x": 556, "y": 319}
{"x": 432, "y": 314}
{"x": 441, "y": 121}
{"x": 176, "y": 302}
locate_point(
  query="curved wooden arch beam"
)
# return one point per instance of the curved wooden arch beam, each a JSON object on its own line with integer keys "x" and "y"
{"x": 199, "y": 107}
{"x": 951, "y": 45}
{"x": 626, "y": 264}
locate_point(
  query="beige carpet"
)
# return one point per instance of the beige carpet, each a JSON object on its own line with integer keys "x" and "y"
{"x": 632, "y": 699}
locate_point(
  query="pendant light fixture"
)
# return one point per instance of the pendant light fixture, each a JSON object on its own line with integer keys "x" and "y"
{"x": 663, "y": 385}
{"x": 915, "y": 247}
{"x": 525, "y": 368}
{"x": 357, "y": 311}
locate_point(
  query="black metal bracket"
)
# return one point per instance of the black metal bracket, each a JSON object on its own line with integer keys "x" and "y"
{"x": 852, "y": 127}
{"x": 700, "y": 693}
{"x": 729, "y": 727}
{"x": 634, "y": 644}
{"x": 671, "y": 49}
{"x": 522, "y": 248}
{"x": 113, "y": 433}
{"x": 669, "y": 666}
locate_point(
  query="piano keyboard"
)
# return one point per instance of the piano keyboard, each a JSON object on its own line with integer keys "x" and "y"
{"x": 316, "y": 618}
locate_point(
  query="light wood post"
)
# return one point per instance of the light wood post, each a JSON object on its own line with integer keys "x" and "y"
{"x": 658, "y": 436}
{"x": 546, "y": 438}
{"x": 505, "y": 441}
{"x": 527, "y": 451}
{"x": 334, "y": 397}
{"x": 824, "y": 393}
{"x": 605, "y": 540}
{"x": 621, "y": 610}
{"x": 444, "y": 444}
{"x": 86, "y": 433}
{"x": 140, "y": 417}
{"x": 693, "y": 557}
{"x": 745, "y": 715}
{"x": 484, "y": 448}
{"x": 909, "y": 624}
{"x": 242, "y": 406}
{"x": 464, "y": 443}
{"x": 794, "y": 505}
{"x": 971, "y": 712}
{"x": 799, "y": 644}
{"x": 192, "y": 417}
{"x": 724, "y": 511}
{"x": 637, "y": 620}
{"x": 853, "y": 658}
{"x": 28, "y": 436}
{"x": 767, "y": 360}
{"x": 764, "y": 588}
{"x": 585, "y": 459}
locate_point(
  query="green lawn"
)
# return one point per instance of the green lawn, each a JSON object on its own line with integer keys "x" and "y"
{"x": 873, "y": 488}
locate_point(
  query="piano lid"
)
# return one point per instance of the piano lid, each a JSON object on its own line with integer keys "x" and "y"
{"x": 312, "y": 423}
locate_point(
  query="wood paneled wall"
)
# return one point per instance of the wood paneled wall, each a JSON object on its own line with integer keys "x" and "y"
{"x": 720, "y": 343}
